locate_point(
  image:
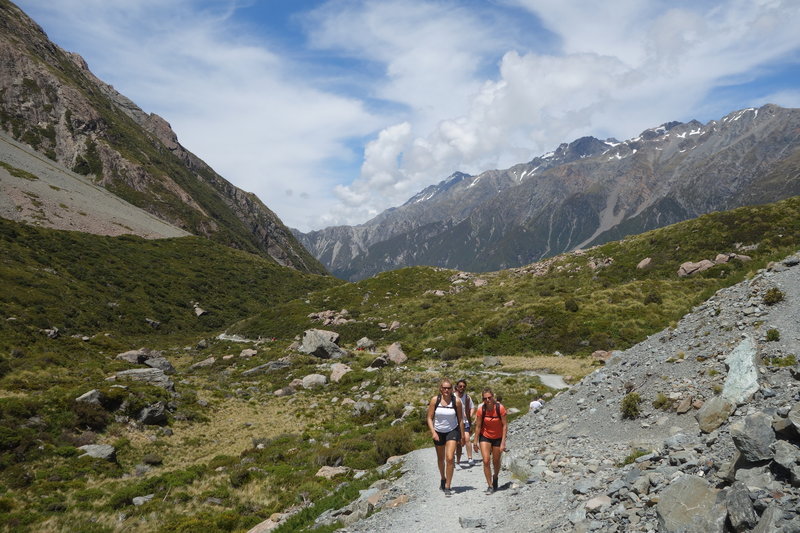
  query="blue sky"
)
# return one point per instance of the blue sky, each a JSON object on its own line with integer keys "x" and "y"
{"x": 332, "y": 111}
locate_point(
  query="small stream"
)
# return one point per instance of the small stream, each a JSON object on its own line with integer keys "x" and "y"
{"x": 554, "y": 381}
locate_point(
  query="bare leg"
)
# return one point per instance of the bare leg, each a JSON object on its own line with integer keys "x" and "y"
{"x": 440, "y": 460}
{"x": 486, "y": 453}
{"x": 496, "y": 453}
{"x": 449, "y": 452}
{"x": 468, "y": 446}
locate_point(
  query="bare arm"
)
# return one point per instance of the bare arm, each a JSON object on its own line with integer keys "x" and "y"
{"x": 431, "y": 410}
{"x": 504, "y": 420}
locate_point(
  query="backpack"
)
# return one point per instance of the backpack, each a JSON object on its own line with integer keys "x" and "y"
{"x": 496, "y": 412}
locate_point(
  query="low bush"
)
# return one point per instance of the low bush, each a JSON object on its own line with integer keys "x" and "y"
{"x": 663, "y": 402}
{"x": 773, "y": 296}
{"x": 773, "y": 335}
{"x": 630, "y": 406}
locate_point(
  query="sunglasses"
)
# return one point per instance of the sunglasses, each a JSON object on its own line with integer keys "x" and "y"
{"x": 487, "y": 398}
{"x": 446, "y": 388}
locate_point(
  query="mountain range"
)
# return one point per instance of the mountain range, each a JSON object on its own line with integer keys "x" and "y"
{"x": 584, "y": 193}
{"x": 51, "y": 101}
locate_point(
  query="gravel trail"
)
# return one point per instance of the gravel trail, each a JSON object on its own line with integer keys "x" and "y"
{"x": 468, "y": 509}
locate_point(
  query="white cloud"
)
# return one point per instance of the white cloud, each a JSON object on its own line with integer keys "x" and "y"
{"x": 433, "y": 86}
{"x": 621, "y": 67}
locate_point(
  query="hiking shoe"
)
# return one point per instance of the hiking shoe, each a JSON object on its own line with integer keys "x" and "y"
{"x": 441, "y": 484}
{"x": 471, "y": 462}
{"x": 494, "y": 483}
{"x": 448, "y": 492}
{"x": 489, "y": 491}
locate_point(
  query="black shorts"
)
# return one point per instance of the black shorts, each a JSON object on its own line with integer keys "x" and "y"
{"x": 450, "y": 435}
{"x": 494, "y": 442}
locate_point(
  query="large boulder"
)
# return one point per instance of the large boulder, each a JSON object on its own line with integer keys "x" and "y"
{"x": 689, "y": 268}
{"x": 741, "y": 514}
{"x": 714, "y": 413}
{"x": 690, "y": 505}
{"x": 154, "y": 414}
{"x": 338, "y": 370}
{"x": 312, "y": 381}
{"x": 139, "y": 356}
{"x": 754, "y": 437}
{"x": 99, "y": 451}
{"x": 151, "y": 376}
{"x": 742, "y": 380}
{"x": 395, "y": 354}
{"x": 321, "y": 343}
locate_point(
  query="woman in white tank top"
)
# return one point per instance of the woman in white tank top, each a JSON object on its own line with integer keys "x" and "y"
{"x": 447, "y": 430}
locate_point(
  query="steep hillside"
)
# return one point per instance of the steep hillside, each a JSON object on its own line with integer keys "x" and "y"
{"x": 51, "y": 101}
{"x": 585, "y": 193}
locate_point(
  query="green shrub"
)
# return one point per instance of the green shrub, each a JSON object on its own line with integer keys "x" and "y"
{"x": 663, "y": 402}
{"x": 773, "y": 296}
{"x": 90, "y": 416}
{"x": 773, "y": 335}
{"x": 240, "y": 477}
{"x": 451, "y": 353}
{"x": 630, "y": 405}
{"x": 630, "y": 458}
{"x": 652, "y": 298}
{"x": 396, "y": 440}
{"x": 571, "y": 305}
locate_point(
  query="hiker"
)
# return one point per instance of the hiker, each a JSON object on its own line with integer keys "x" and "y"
{"x": 491, "y": 427}
{"x": 447, "y": 429}
{"x": 536, "y": 405}
{"x": 467, "y": 413}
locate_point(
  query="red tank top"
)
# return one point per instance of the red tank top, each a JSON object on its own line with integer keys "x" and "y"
{"x": 492, "y": 423}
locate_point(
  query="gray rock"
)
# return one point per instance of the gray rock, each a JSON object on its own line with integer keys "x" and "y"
{"x": 757, "y": 478}
{"x": 161, "y": 363}
{"x": 742, "y": 380}
{"x": 714, "y": 413}
{"x": 338, "y": 370}
{"x": 379, "y": 362}
{"x": 794, "y": 417}
{"x": 471, "y": 523}
{"x": 312, "y": 381}
{"x": 278, "y": 364}
{"x": 490, "y": 361}
{"x": 365, "y": 343}
{"x": 768, "y": 523}
{"x": 137, "y": 357}
{"x": 321, "y": 343}
{"x": 395, "y": 354}
{"x": 741, "y": 514}
{"x": 690, "y": 505}
{"x": 152, "y": 376}
{"x": 141, "y": 500}
{"x": 753, "y": 437}
{"x": 99, "y": 451}
{"x": 154, "y": 414}
{"x": 204, "y": 363}
{"x": 785, "y": 454}
{"x": 93, "y": 396}
{"x": 362, "y": 406}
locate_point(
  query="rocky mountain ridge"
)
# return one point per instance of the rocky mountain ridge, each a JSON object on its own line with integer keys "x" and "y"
{"x": 50, "y": 100}
{"x": 584, "y": 193}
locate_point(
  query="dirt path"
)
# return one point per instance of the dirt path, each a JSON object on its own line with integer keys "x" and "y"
{"x": 515, "y": 507}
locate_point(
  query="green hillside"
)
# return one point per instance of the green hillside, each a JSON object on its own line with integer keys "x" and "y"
{"x": 573, "y": 308}
{"x": 229, "y": 452}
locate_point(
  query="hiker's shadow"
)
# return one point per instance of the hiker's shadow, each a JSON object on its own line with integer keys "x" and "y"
{"x": 463, "y": 488}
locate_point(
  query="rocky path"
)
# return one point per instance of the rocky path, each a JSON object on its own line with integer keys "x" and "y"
{"x": 469, "y": 508}
{"x": 718, "y": 433}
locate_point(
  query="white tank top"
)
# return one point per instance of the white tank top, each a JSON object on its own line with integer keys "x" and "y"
{"x": 444, "y": 418}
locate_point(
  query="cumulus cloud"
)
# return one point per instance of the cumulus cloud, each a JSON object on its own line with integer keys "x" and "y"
{"x": 408, "y": 91}
{"x": 618, "y": 70}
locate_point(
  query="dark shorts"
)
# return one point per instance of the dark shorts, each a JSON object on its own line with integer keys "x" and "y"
{"x": 450, "y": 435}
{"x": 494, "y": 442}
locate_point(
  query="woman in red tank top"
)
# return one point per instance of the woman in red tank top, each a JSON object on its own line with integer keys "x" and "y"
{"x": 491, "y": 428}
